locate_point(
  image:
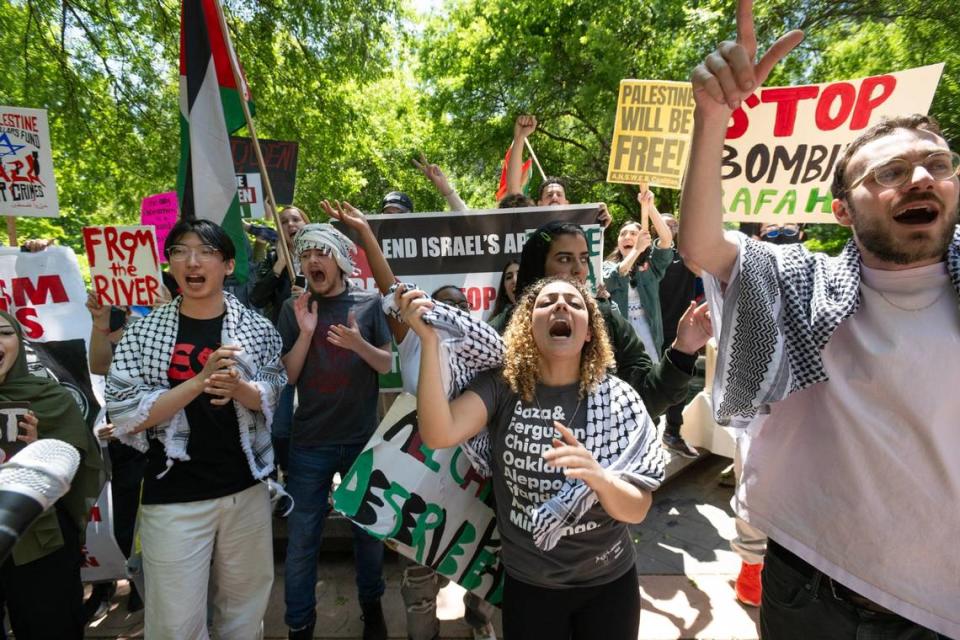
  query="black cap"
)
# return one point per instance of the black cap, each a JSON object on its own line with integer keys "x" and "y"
{"x": 397, "y": 199}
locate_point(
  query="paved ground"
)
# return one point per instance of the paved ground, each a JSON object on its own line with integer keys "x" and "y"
{"x": 685, "y": 565}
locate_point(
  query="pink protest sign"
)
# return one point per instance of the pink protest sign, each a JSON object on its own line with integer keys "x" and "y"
{"x": 161, "y": 211}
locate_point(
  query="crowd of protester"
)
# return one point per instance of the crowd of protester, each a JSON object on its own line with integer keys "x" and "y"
{"x": 231, "y": 395}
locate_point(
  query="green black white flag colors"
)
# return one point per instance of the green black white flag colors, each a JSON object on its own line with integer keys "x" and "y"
{"x": 210, "y": 110}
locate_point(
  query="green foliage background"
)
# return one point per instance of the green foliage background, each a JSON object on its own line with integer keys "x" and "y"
{"x": 365, "y": 85}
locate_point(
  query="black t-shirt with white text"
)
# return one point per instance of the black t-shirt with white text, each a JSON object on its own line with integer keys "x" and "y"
{"x": 217, "y": 466}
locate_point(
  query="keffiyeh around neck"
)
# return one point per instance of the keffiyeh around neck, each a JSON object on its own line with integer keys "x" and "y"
{"x": 620, "y": 434}
{"x": 324, "y": 236}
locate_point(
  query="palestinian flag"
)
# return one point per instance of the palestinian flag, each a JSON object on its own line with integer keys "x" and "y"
{"x": 525, "y": 175}
{"x": 210, "y": 111}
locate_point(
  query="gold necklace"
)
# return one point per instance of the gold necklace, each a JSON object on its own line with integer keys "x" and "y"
{"x": 902, "y": 308}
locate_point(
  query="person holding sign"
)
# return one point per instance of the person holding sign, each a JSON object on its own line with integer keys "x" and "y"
{"x": 194, "y": 385}
{"x": 41, "y": 579}
{"x": 854, "y": 448}
{"x": 574, "y": 577}
{"x": 632, "y": 274}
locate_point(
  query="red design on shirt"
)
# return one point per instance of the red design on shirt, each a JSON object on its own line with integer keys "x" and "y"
{"x": 188, "y": 360}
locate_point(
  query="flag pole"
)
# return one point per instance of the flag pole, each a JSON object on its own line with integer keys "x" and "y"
{"x": 283, "y": 253}
{"x": 534, "y": 156}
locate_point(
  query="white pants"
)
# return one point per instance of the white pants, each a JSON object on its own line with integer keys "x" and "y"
{"x": 226, "y": 543}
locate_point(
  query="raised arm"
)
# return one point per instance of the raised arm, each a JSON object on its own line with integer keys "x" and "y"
{"x": 382, "y": 273}
{"x": 725, "y": 78}
{"x": 442, "y": 422}
{"x": 522, "y": 128}
{"x": 643, "y": 243}
{"x": 101, "y": 338}
{"x": 439, "y": 180}
{"x": 664, "y": 235}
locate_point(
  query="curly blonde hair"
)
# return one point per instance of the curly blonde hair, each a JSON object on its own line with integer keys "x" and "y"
{"x": 521, "y": 355}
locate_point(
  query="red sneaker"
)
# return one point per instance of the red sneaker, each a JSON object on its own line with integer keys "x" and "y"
{"x": 748, "y": 584}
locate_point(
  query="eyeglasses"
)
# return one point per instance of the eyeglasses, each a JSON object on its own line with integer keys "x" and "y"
{"x": 893, "y": 173}
{"x": 203, "y": 253}
{"x": 787, "y": 230}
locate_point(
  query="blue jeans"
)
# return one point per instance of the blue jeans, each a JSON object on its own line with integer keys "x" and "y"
{"x": 311, "y": 474}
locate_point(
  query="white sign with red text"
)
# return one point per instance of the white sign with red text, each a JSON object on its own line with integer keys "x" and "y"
{"x": 124, "y": 264}
{"x": 45, "y": 292}
{"x": 783, "y": 143}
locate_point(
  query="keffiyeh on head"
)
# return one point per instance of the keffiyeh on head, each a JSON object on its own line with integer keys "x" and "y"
{"x": 324, "y": 236}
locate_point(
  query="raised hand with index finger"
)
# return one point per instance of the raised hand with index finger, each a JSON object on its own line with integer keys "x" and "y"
{"x": 731, "y": 73}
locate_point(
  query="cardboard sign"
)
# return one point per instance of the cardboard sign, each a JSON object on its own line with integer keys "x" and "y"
{"x": 432, "y": 506}
{"x": 651, "y": 137}
{"x": 250, "y": 192}
{"x": 161, "y": 212}
{"x": 124, "y": 267}
{"x": 783, "y": 143}
{"x": 27, "y": 185}
{"x": 280, "y": 156}
{"x": 464, "y": 249}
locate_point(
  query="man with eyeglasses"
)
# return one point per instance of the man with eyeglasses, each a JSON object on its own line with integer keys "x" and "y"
{"x": 847, "y": 367}
{"x": 194, "y": 385}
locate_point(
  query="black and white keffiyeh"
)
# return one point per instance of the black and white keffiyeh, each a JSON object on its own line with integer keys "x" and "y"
{"x": 778, "y": 312}
{"x": 620, "y": 434}
{"x": 138, "y": 376}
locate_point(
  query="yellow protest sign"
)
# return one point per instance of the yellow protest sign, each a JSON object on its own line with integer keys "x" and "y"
{"x": 651, "y": 138}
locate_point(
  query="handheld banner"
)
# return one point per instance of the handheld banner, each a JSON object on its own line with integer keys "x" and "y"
{"x": 44, "y": 291}
{"x": 783, "y": 143}
{"x": 161, "y": 212}
{"x": 124, "y": 267}
{"x": 280, "y": 157}
{"x": 466, "y": 249}
{"x": 431, "y": 506}
{"x": 27, "y": 184}
{"x": 651, "y": 137}
{"x": 251, "y": 194}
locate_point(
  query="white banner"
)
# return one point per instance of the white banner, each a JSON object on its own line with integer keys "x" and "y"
{"x": 27, "y": 185}
{"x": 431, "y": 506}
{"x": 46, "y": 293}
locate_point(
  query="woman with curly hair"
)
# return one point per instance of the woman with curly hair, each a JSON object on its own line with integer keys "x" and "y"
{"x": 573, "y": 456}
{"x": 560, "y": 249}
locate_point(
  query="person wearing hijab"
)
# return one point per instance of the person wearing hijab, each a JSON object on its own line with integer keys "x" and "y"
{"x": 41, "y": 578}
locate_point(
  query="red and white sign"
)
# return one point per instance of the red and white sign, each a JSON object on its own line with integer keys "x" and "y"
{"x": 783, "y": 143}
{"x": 124, "y": 266}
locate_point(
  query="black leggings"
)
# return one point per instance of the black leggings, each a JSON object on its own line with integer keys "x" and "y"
{"x": 610, "y": 611}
